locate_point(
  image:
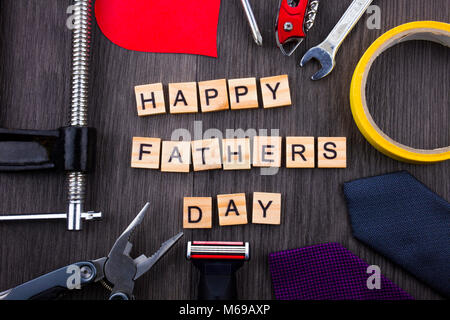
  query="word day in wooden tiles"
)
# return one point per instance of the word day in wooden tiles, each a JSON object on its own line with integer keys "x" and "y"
{"x": 238, "y": 154}
{"x": 232, "y": 210}
{"x": 213, "y": 95}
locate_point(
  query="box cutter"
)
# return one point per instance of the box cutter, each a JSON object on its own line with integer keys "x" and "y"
{"x": 295, "y": 19}
{"x": 117, "y": 272}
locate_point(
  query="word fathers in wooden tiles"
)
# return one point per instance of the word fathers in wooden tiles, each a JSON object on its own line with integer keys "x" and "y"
{"x": 214, "y": 95}
{"x": 238, "y": 154}
{"x": 232, "y": 210}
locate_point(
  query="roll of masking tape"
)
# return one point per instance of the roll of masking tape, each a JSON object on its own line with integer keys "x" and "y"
{"x": 421, "y": 30}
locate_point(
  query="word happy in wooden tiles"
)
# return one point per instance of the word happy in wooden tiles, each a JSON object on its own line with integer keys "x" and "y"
{"x": 213, "y": 95}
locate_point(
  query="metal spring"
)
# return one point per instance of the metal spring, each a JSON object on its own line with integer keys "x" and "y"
{"x": 311, "y": 14}
{"x": 77, "y": 186}
{"x": 81, "y": 48}
{"x": 106, "y": 286}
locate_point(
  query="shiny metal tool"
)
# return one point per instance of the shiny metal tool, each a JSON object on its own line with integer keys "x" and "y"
{"x": 81, "y": 50}
{"x": 252, "y": 22}
{"x": 70, "y": 149}
{"x": 326, "y": 52}
{"x": 117, "y": 272}
{"x": 295, "y": 18}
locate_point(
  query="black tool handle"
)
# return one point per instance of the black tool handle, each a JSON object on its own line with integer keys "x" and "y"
{"x": 68, "y": 149}
{"x": 51, "y": 285}
{"x": 217, "y": 281}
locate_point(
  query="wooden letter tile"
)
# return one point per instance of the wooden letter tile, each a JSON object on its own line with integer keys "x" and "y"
{"x": 213, "y": 95}
{"x": 332, "y": 152}
{"x": 183, "y": 97}
{"x": 266, "y": 208}
{"x": 275, "y": 91}
{"x": 150, "y": 99}
{"x": 232, "y": 209}
{"x": 243, "y": 93}
{"x": 206, "y": 154}
{"x": 176, "y": 156}
{"x": 300, "y": 152}
{"x": 236, "y": 154}
{"x": 145, "y": 153}
{"x": 267, "y": 151}
{"x": 197, "y": 213}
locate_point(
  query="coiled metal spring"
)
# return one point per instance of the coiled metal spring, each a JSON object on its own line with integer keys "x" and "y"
{"x": 81, "y": 49}
{"x": 77, "y": 186}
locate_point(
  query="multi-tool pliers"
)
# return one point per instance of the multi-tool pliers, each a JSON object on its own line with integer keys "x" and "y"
{"x": 295, "y": 18}
{"x": 118, "y": 271}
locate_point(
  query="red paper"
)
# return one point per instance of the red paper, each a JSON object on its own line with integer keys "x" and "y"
{"x": 186, "y": 26}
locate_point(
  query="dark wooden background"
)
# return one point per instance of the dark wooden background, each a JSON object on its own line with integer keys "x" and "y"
{"x": 408, "y": 94}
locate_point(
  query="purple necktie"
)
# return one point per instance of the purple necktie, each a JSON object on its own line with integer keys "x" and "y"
{"x": 326, "y": 272}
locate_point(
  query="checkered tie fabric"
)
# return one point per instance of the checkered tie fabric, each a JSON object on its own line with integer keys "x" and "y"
{"x": 326, "y": 272}
{"x": 405, "y": 221}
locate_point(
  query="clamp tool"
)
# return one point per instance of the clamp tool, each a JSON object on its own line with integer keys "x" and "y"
{"x": 326, "y": 52}
{"x": 117, "y": 272}
{"x": 70, "y": 149}
{"x": 295, "y": 19}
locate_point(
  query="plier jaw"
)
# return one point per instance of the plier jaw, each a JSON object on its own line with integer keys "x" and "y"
{"x": 121, "y": 270}
{"x": 293, "y": 22}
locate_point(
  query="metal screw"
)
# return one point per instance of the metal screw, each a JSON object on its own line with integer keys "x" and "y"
{"x": 86, "y": 272}
{"x": 288, "y": 26}
{"x": 81, "y": 47}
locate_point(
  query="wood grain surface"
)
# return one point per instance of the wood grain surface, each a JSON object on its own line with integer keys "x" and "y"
{"x": 408, "y": 94}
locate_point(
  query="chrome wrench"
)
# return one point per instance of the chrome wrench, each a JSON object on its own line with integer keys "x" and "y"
{"x": 326, "y": 52}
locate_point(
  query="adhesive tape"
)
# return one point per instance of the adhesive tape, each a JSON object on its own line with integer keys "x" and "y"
{"x": 421, "y": 30}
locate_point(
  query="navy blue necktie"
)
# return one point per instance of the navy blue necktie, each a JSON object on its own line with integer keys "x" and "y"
{"x": 401, "y": 218}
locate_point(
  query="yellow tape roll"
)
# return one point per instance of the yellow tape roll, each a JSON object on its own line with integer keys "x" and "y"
{"x": 421, "y": 30}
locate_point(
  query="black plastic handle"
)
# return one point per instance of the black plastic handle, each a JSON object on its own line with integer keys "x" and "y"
{"x": 51, "y": 285}
{"x": 68, "y": 149}
{"x": 217, "y": 280}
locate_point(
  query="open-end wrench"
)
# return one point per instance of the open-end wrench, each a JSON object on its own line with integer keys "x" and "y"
{"x": 325, "y": 52}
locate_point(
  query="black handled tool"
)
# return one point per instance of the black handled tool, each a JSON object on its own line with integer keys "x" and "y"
{"x": 117, "y": 272}
{"x": 217, "y": 262}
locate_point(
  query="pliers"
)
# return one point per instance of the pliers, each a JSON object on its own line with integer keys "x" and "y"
{"x": 118, "y": 271}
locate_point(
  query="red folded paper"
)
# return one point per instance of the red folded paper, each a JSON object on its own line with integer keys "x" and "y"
{"x": 188, "y": 26}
